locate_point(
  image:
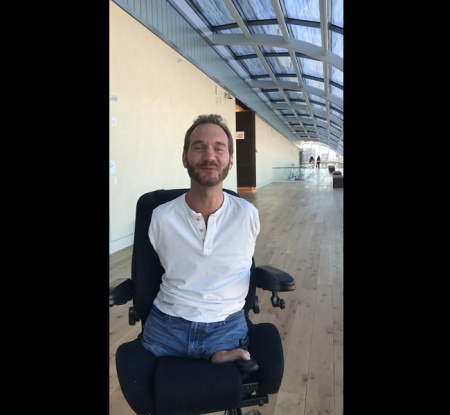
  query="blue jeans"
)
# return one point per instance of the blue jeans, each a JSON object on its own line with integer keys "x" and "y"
{"x": 165, "y": 335}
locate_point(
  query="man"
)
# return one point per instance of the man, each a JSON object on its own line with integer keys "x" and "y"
{"x": 205, "y": 240}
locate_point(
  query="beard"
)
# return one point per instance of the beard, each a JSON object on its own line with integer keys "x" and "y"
{"x": 206, "y": 181}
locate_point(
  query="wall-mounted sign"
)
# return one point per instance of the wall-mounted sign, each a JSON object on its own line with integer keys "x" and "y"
{"x": 239, "y": 135}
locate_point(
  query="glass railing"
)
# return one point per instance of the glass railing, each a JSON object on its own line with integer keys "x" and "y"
{"x": 303, "y": 171}
{"x": 292, "y": 173}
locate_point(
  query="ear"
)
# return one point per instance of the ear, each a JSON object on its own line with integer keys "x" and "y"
{"x": 184, "y": 159}
{"x": 230, "y": 163}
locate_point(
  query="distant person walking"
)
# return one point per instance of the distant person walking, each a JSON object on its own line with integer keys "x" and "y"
{"x": 318, "y": 162}
{"x": 311, "y": 159}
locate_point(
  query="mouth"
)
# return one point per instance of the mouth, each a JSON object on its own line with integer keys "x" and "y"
{"x": 207, "y": 167}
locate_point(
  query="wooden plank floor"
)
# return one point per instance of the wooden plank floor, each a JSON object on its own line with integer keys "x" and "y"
{"x": 301, "y": 233}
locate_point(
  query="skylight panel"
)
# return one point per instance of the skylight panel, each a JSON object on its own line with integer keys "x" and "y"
{"x": 337, "y": 13}
{"x": 314, "y": 83}
{"x": 312, "y": 67}
{"x": 337, "y": 44}
{"x": 215, "y": 11}
{"x": 336, "y": 76}
{"x": 256, "y": 9}
{"x": 303, "y": 9}
{"x": 307, "y": 34}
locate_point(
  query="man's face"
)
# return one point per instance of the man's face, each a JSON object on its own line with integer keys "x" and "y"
{"x": 208, "y": 160}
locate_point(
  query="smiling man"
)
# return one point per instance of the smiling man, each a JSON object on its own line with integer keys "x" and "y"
{"x": 205, "y": 240}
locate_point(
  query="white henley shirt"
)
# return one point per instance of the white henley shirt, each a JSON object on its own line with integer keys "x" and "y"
{"x": 207, "y": 269}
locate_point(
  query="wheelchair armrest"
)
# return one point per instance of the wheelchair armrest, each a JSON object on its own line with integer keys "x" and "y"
{"x": 273, "y": 279}
{"x": 120, "y": 291}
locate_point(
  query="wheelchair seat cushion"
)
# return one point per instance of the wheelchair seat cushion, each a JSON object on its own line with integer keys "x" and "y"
{"x": 182, "y": 380}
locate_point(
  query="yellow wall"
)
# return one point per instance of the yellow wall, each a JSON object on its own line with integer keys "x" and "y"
{"x": 159, "y": 93}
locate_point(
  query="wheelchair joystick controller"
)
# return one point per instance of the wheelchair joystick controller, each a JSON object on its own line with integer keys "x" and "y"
{"x": 246, "y": 366}
{"x": 277, "y": 301}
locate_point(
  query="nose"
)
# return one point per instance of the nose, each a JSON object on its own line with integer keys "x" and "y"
{"x": 209, "y": 153}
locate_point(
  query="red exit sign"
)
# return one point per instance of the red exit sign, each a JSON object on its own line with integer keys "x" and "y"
{"x": 239, "y": 135}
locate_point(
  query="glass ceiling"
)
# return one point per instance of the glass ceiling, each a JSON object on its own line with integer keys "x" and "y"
{"x": 283, "y": 58}
{"x": 289, "y": 52}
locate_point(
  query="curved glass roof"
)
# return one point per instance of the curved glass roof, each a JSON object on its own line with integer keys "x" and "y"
{"x": 289, "y": 52}
{"x": 282, "y": 59}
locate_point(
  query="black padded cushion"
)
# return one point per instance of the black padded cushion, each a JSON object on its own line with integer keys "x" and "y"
{"x": 266, "y": 347}
{"x": 136, "y": 370}
{"x": 182, "y": 381}
{"x": 193, "y": 387}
